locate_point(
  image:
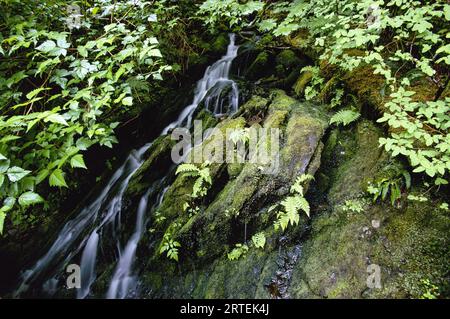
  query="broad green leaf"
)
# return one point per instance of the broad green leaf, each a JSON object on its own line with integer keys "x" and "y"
{"x": 33, "y": 93}
{"x": 16, "y": 173}
{"x": 2, "y": 221}
{"x": 57, "y": 178}
{"x": 82, "y": 51}
{"x": 127, "y": 101}
{"x": 56, "y": 118}
{"x": 77, "y": 161}
{"x": 30, "y": 198}
{"x": 4, "y": 165}
{"x": 47, "y": 46}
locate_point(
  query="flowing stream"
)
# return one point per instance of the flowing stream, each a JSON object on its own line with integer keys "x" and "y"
{"x": 102, "y": 217}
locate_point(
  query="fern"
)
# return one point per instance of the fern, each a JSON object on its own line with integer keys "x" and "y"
{"x": 169, "y": 246}
{"x": 292, "y": 205}
{"x": 242, "y": 135}
{"x": 203, "y": 175}
{"x": 259, "y": 240}
{"x": 345, "y": 117}
{"x": 183, "y": 168}
{"x": 237, "y": 252}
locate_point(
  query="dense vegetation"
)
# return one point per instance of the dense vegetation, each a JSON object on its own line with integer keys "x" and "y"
{"x": 71, "y": 74}
{"x": 64, "y": 82}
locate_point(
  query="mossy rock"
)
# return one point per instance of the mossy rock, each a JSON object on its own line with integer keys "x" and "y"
{"x": 365, "y": 159}
{"x": 158, "y": 160}
{"x": 303, "y": 80}
{"x": 407, "y": 245}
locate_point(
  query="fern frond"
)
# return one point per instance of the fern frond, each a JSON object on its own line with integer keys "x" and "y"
{"x": 197, "y": 188}
{"x": 345, "y": 117}
{"x": 291, "y": 205}
{"x": 303, "y": 205}
{"x": 187, "y": 167}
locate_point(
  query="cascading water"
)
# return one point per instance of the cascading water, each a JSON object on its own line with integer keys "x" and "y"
{"x": 211, "y": 89}
{"x": 106, "y": 206}
{"x": 85, "y": 232}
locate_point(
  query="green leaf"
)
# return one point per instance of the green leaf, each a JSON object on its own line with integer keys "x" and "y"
{"x": 15, "y": 173}
{"x": 82, "y": 51}
{"x": 33, "y": 93}
{"x": 345, "y": 117}
{"x": 259, "y": 240}
{"x": 57, "y": 178}
{"x": 4, "y": 165}
{"x": 56, "y": 118}
{"x": 47, "y": 46}
{"x": 77, "y": 161}
{"x": 447, "y": 12}
{"x": 2, "y": 221}
{"x": 127, "y": 101}
{"x": 30, "y": 198}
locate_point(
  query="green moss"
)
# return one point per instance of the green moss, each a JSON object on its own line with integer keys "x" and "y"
{"x": 220, "y": 43}
{"x": 255, "y": 106}
{"x": 328, "y": 89}
{"x": 234, "y": 169}
{"x": 276, "y": 119}
{"x": 281, "y": 101}
{"x": 364, "y": 159}
{"x": 301, "y": 83}
{"x": 366, "y": 85}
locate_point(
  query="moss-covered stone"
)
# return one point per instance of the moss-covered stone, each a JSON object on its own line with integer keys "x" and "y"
{"x": 157, "y": 161}
{"x": 301, "y": 83}
{"x": 409, "y": 246}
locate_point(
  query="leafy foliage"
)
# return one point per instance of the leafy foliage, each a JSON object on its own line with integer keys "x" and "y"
{"x": 60, "y": 89}
{"x": 203, "y": 180}
{"x": 404, "y": 42}
{"x": 353, "y": 205}
{"x": 237, "y": 252}
{"x": 169, "y": 246}
{"x": 259, "y": 240}
{"x": 345, "y": 117}
{"x": 293, "y": 204}
{"x": 392, "y": 186}
{"x": 422, "y": 138}
{"x": 232, "y": 11}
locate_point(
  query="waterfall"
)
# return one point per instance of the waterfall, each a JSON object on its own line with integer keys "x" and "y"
{"x": 103, "y": 210}
{"x": 211, "y": 88}
{"x": 85, "y": 232}
{"x": 122, "y": 281}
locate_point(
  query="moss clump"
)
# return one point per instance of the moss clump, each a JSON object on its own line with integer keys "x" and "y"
{"x": 281, "y": 101}
{"x": 365, "y": 159}
{"x": 234, "y": 169}
{"x": 366, "y": 85}
{"x": 301, "y": 83}
{"x": 276, "y": 119}
{"x": 255, "y": 107}
{"x": 220, "y": 43}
